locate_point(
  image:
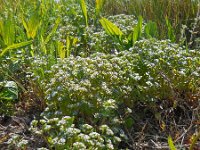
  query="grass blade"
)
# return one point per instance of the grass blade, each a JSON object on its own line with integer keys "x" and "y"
{"x": 194, "y": 141}
{"x": 53, "y": 31}
{"x": 170, "y": 31}
{"x": 171, "y": 143}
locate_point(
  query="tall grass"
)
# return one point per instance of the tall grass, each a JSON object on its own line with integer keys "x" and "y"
{"x": 178, "y": 12}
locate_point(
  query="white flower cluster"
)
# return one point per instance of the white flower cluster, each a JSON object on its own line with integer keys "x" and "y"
{"x": 62, "y": 133}
{"x": 92, "y": 89}
{"x": 100, "y": 83}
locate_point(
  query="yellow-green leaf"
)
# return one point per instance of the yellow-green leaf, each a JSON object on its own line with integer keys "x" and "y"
{"x": 7, "y": 31}
{"x": 137, "y": 30}
{"x": 61, "y": 50}
{"x": 53, "y": 31}
{"x": 31, "y": 26}
{"x": 68, "y": 44}
{"x": 171, "y": 143}
{"x": 84, "y": 10}
{"x": 110, "y": 27}
{"x": 99, "y": 5}
{"x": 194, "y": 140}
{"x": 15, "y": 46}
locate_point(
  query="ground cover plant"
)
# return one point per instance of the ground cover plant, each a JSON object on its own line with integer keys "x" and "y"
{"x": 82, "y": 74}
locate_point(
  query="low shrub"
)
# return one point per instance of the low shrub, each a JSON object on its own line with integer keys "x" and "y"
{"x": 93, "y": 89}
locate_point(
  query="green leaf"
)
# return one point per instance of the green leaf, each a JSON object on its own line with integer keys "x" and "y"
{"x": 53, "y": 31}
{"x": 84, "y": 10}
{"x": 171, "y": 143}
{"x": 194, "y": 141}
{"x": 137, "y": 30}
{"x": 61, "y": 50}
{"x": 68, "y": 45}
{"x": 7, "y": 31}
{"x": 10, "y": 91}
{"x": 99, "y": 5}
{"x": 15, "y": 46}
{"x": 151, "y": 30}
{"x": 110, "y": 28}
{"x": 129, "y": 122}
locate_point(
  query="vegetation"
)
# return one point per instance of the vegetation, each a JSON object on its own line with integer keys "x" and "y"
{"x": 75, "y": 74}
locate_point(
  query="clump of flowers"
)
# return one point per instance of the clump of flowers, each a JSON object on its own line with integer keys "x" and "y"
{"x": 17, "y": 141}
{"x": 92, "y": 89}
{"x": 62, "y": 134}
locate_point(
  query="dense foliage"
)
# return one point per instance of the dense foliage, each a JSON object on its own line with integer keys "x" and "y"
{"x": 95, "y": 88}
{"x": 81, "y": 71}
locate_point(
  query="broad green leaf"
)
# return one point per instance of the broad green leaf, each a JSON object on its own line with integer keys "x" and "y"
{"x": 171, "y": 143}
{"x": 151, "y": 30}
{"x": 7, "y": 30}
{"x": 84, "y": 10}
{"x": 9, "y": 91}
{"x": 15, "y": 46}
{"x": 110, "y": 28}
{"x": 137, "y": 30}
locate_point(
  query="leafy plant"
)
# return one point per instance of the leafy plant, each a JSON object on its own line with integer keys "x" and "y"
{"x": 151, "y": 30}
{"x": 7, "y": 36}
{"x": 8, "y": 95}
{"x": 50, "y": 49}
{"x": 92, "y": 89}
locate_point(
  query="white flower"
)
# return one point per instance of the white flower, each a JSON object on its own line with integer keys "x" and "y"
{"x": 22, "y": 143}
{"x": 79, "y": 145}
